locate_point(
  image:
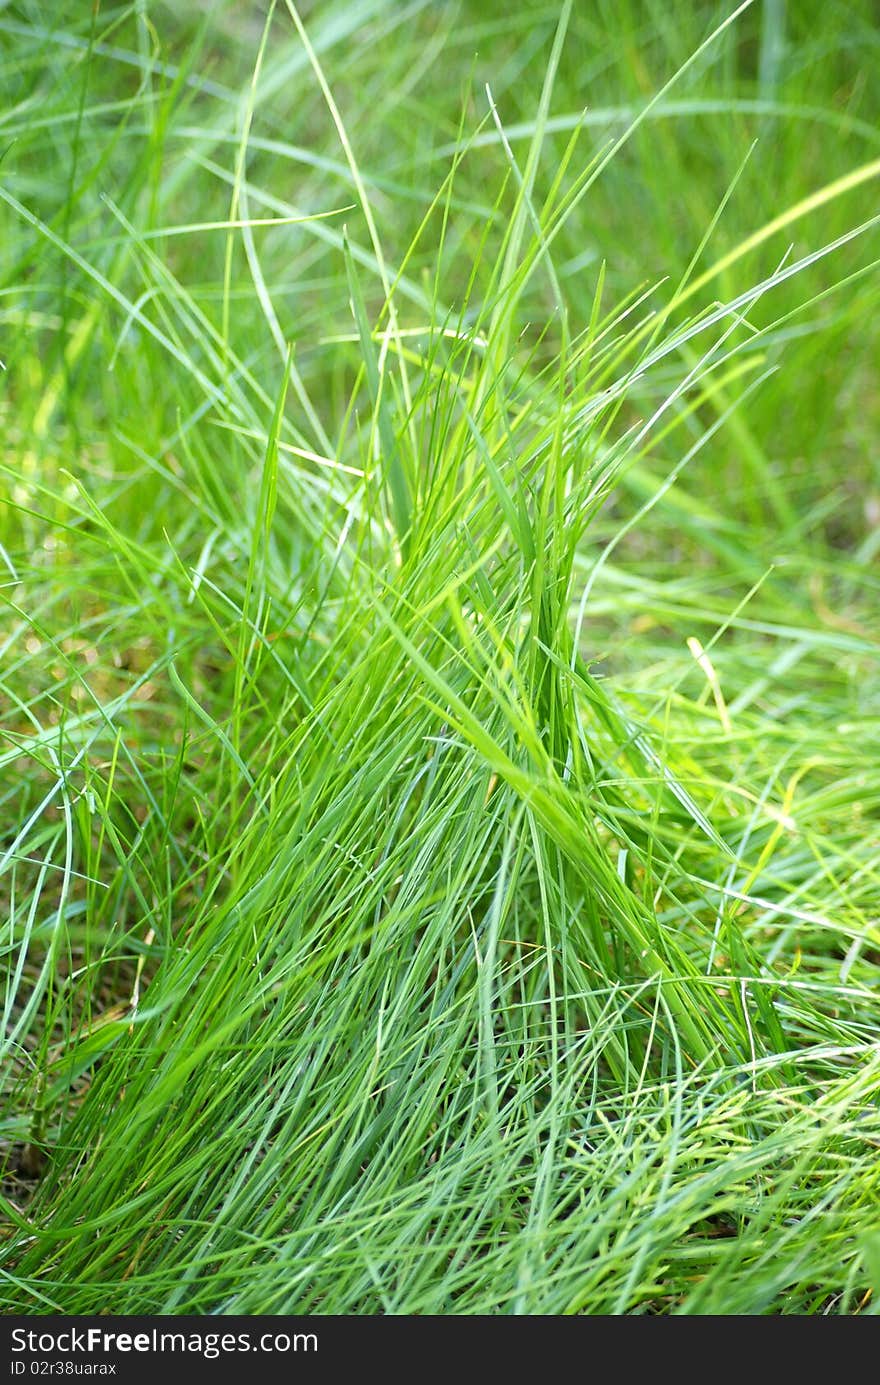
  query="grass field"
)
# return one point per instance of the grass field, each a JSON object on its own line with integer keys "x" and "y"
{"x": 440, "y": 701}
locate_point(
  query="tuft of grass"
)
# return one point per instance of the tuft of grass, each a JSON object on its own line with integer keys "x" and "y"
{"x": 439, "y": 698}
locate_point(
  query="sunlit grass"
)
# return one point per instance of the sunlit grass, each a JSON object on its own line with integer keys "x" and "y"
{"x": 440, "y": 699}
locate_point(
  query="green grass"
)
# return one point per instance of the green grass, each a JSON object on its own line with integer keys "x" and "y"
{"x": 440, "y": 857}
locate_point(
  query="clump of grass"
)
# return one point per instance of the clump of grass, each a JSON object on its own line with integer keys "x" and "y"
{"x": 441, "y": 864}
